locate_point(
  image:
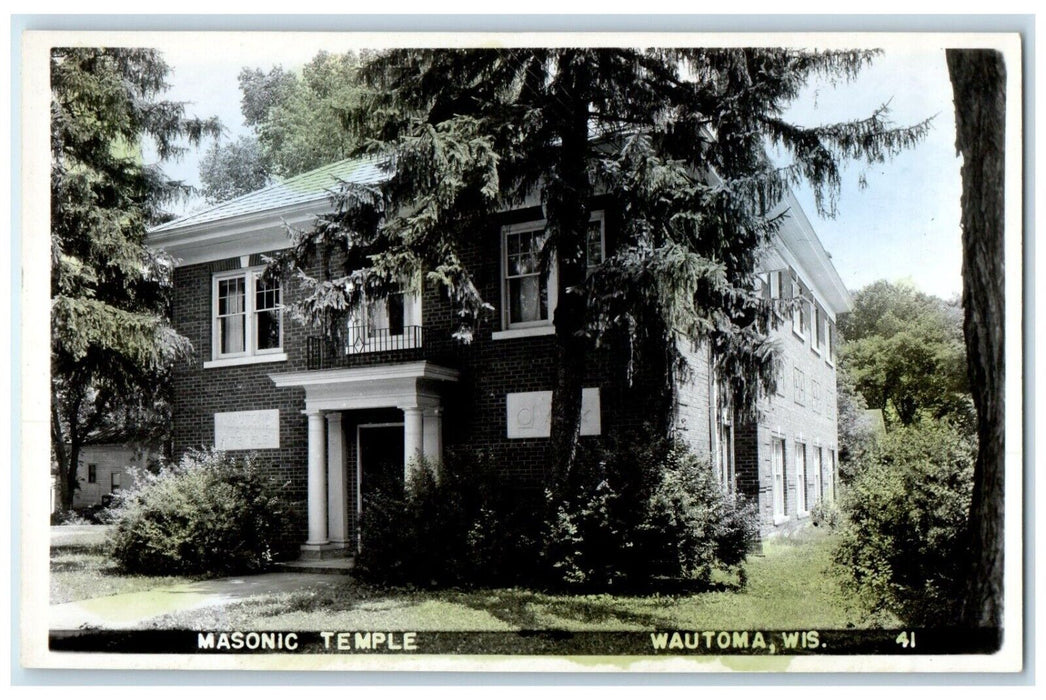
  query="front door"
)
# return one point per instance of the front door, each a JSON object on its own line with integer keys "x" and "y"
{"x": 380, "y": 461}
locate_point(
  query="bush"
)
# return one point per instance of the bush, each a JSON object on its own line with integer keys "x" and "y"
{"x": 904, "y": 541}
{"x": 464, "y": 528}
{"x": 646, "y": 514}
{"x": 825, "y": 513}
{"x": 208, "y": 514}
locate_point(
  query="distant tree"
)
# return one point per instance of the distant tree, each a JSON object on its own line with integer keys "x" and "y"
{"x": 678, "y": 138}
{"x": 233, "y": 169}
{"x": 298, "y": 122}
{"x": 979, "y": 85}
{"x": 110, "y": 338}
{"x": 304, "y": 123}
{"x": 904, "y": 351}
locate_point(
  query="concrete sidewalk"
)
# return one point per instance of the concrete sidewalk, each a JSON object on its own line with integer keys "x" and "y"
{"x": 128, "y": 610}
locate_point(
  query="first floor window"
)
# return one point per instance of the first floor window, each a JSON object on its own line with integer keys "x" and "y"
{"x": 114, "y": 481}
{"x": 248, "y": 315}
{"x": 777, "y": 462}
{"x": 818, "y": 475}
{"x": 831, "y": 472}
{"x": 800, "y": 477}
{"x": 92, "y": 473}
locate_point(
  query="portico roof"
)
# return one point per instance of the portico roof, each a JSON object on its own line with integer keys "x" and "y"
{"x": 395, "y": 385}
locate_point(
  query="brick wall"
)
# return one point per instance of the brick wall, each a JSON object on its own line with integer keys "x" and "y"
{"x": 802, "y": 412}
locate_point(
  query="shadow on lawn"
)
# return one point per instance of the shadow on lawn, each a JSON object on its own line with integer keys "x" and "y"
{"x": 528, "y": 610}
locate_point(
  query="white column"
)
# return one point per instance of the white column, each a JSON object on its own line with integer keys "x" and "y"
{"x": 413, "y": 439}
{"x": 433, "y": 438}
{"x": 337, "y": 482}
{"x": 317, "y": 480}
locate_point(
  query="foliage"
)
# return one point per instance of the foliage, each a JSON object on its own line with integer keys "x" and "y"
{"x": 298, "y": 123}
{"x": 110, "y": 342}
{"x": 904, "y": 351}
{"x": 208, "y": 514}
{"x": 466, "y": 527}
{"x": 466, "y": 134}
{"x": 904, "y": 542}
{"x": 645, "y": 515}
{"x": 825, "y": 513}
{"x": 232, "y": 170}
{"x": 856, "y": 435}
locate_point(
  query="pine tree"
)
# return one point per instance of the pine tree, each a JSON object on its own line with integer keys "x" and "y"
{"x": 678, "y": 138}
{"x": 110, "y": 340}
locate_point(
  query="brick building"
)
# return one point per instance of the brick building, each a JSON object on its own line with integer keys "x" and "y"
{"x": 335, "y": 422}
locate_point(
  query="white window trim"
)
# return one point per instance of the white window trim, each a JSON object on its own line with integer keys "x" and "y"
{"x": 524, "y": 329}
{"x": 782, "y": 516}
{"x": 251, "y": 354}
{"x": 800, "y": 486}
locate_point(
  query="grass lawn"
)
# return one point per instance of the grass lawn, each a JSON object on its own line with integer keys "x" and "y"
{"x": 792, "y": 584}
{"x": 80, "y": 570}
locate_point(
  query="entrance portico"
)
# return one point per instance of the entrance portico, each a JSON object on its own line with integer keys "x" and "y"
{"x": 414, "y": 388}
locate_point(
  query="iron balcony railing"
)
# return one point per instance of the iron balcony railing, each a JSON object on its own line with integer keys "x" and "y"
{"x": 324, "y": 353}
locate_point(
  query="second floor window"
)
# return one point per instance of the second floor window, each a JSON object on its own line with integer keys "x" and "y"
{"x": 248, "y": 315}
{"x": 386, "y": 323}
{"x": 529, "y": 296}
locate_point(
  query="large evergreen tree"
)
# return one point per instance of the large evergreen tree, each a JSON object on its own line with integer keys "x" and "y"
{"x": 110, "y": 340}
{"x": 677, "y": 137}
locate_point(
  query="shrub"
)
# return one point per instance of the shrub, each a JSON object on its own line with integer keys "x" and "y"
{"x": 464, "y": 528}
{"x": 825, "y": 513}
{"x": 646, "y": 514}
{"x": 208, "y": 514}
{"x": 903, "y": 544}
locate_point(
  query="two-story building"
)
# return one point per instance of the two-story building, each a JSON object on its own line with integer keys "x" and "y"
{"x": 338, "y": 421}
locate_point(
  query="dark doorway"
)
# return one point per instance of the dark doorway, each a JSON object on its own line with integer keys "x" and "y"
{"x": 380, "y": 460}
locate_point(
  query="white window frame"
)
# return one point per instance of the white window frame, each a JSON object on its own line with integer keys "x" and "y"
{"x": 251, "y": 353}
{"x": 801, "y": 506}
{"x": 522, "y": 329}
{"x": 818, "y": 460}
{"x": 778, "y": 482}
{"x": 828, "y": 341}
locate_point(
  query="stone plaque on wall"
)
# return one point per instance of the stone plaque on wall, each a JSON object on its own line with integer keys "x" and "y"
{"x": 247, "y": 430}
{"x": 529, "y": 414}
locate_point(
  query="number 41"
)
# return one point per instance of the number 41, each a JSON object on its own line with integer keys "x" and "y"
{"x": 906, "y": 639}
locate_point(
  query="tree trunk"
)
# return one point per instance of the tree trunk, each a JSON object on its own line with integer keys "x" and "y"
{"x": 568, "y": 213}
{"x": 978, "y": 81}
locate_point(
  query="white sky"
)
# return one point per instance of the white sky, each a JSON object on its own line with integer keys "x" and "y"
{"x": 903, "y": 225}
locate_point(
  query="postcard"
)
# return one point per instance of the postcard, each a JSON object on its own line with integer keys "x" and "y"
{"x": 521, "y": 352}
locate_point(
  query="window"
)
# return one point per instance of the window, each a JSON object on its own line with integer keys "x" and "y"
{"x": 829, "y": 331}
{"x": 92, "y": 473}
{"x": 114, "y": 482}
{"x": 248, "y": 316}
{"x": 526, "y": 291}
{"x": 800, "y": 478}
{"x": 529, "y": 298}
{"x": 818, "y": 476}
{"x": 799, "y": 386}
{"x": 820, "y": 326}
{"x": 389, "y": 323}
{"x": 801, "y": 310}
{"x": 777, "y": 463}
{"x": 831, "y": 473}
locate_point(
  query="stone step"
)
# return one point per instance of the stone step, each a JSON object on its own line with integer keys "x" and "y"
{"x": 336, "y": 565}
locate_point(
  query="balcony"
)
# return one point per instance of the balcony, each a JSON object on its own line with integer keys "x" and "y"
{"x": 405, "y": 343}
